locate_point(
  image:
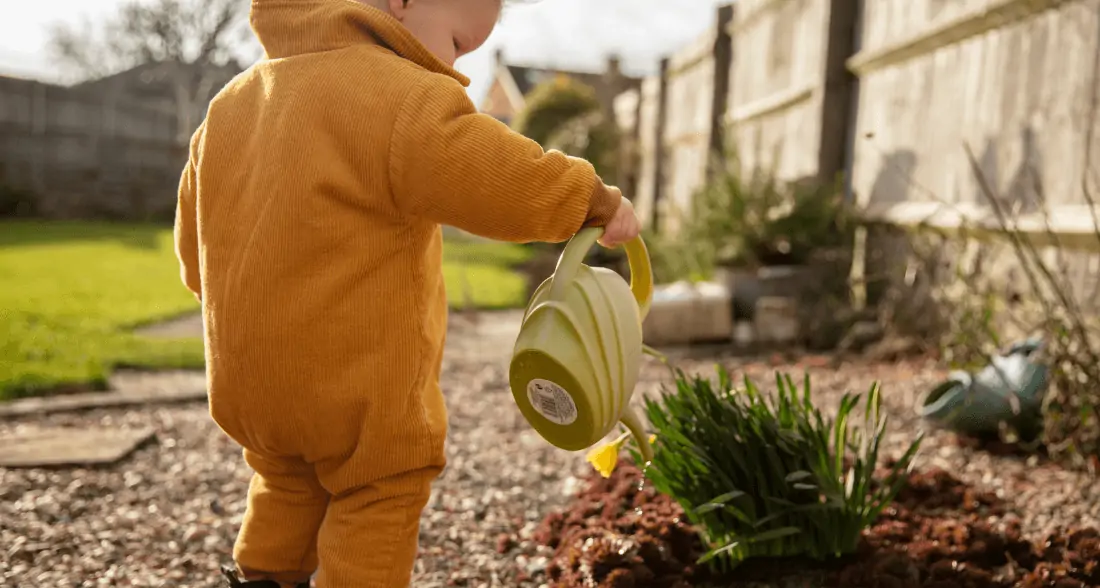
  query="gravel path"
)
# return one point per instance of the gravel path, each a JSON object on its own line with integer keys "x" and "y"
{"x": 167, "y": 515}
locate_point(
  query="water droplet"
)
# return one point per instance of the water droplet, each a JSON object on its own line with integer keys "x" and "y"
{"x": 641, "y": 483}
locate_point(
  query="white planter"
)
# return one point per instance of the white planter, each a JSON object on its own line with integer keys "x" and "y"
{"x": 684, "y": 313}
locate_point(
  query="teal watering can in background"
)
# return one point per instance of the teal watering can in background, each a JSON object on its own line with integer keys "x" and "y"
{"x": 1009, "y": 390}
{"x": 579, "y": 350}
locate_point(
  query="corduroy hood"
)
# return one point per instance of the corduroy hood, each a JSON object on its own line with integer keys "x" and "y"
{"x": 287, "y": 28}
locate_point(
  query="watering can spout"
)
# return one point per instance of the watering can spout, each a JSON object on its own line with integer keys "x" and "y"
{"x": 637, "y": 430}
{"x": 578, "y": 354}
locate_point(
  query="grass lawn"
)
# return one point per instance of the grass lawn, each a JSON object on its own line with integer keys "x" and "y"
{"x": 73, "y": 290}
{"x": 481, "y": 270}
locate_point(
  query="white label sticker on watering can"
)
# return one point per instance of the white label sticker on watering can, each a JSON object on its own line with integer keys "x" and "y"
{"x": 552, "y": 401}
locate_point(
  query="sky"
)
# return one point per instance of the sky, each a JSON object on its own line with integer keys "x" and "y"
{"x": 568, "y": 34}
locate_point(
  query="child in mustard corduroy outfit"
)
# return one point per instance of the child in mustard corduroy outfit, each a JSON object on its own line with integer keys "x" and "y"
{"x": 309, "y": 227}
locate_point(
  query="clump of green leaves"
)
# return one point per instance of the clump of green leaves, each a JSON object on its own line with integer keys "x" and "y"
{"x": 767, "y": 475}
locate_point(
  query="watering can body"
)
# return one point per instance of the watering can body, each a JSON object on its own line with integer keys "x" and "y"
{"x": 1010, "y": 389}
{"x": 578, "y": 354}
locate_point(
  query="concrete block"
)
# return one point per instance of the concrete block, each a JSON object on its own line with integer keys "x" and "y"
{"x": 685, "y": 313}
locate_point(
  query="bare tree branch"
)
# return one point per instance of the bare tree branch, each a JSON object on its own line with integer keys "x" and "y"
{"x": 187, "y": 41}
{"x": 191, "y": 32}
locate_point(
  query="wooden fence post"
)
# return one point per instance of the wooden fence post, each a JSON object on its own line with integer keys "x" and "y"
{"x": 723, "y": 61}
{"x": 634, "y": 154}
{"x": 837, "y": 91}
{"x": 659, "y": 145}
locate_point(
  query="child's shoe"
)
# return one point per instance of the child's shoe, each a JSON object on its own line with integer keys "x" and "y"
{"x": 231, "y": 575}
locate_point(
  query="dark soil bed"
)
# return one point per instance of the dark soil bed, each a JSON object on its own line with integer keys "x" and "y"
{"x": 940, "y": 533}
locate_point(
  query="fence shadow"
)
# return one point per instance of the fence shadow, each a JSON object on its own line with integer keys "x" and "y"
{"x": 34, "y": 233}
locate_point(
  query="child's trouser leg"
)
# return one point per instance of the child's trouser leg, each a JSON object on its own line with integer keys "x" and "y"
{"x": 286, "y": 504}
{"x": 370, "y": 537}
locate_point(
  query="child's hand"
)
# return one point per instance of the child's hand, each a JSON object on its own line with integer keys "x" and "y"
{"x": 622, "y": 228}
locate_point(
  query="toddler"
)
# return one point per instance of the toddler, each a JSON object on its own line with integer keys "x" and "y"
{"x": 308, "y": 225}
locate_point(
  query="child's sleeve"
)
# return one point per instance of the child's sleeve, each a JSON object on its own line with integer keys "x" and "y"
{"x": 186, "y": 228}
{"x": 461, "y": 168}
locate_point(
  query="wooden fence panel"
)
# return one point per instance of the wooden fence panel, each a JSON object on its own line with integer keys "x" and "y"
{"x": 646, "y": 151}
{"x": 625, "y": 109}
{"x": 84, "y": 155}
{"x": 776, "y": 85}
{"x": 1018, "y": 81}
{"x": 1014, "y": 80}
{"x": 691, "y": 77}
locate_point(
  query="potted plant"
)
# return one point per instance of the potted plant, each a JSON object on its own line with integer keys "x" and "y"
{"x": 765, "y": 233}
{"x": 733, "y": 215}
{"x": 810, "y": 222}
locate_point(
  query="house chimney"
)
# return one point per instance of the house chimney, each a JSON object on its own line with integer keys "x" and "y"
{"x": 614, "y": 66}
{"x": 613, "y": 79}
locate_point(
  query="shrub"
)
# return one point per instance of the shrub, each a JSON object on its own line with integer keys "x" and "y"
{"x": 551, "y": 105}
{"x": 563, "y": 113}
{"x": 591, "y": 137}
{"x": 753, "y": 220}
{"x": 767, "y": 475}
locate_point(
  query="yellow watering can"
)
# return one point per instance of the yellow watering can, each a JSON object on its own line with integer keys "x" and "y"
{"x": 579, "y": 350}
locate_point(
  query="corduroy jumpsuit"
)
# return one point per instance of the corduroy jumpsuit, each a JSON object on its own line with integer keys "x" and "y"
{"x": 308, "y": 225}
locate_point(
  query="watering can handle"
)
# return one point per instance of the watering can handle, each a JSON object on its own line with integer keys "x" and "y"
{"x": 641, "y": 272}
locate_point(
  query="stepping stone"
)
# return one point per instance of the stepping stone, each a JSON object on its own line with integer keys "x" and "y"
{"x": 129, "y": 388}
{"x": 68, "y": 446}
{"x": 183, "y": 327}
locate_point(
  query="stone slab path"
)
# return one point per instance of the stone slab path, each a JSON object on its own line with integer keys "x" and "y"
{"x": 68, "y": 446}
{"x": 181, "y": 327}
{"x": 127, "y": 389}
